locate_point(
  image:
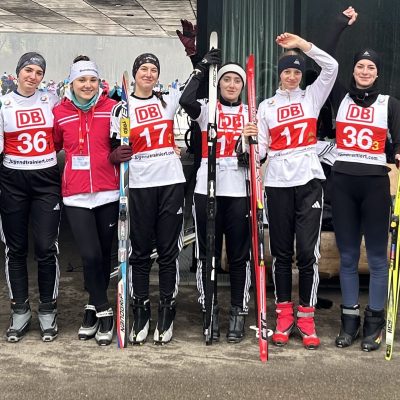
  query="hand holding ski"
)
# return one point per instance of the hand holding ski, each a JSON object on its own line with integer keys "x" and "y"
{"x": 256, "y": 210}
{"x": 123, "y": 225}
{"x": 211, "y": 196}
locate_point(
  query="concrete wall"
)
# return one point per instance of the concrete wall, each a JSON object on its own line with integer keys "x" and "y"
{"x": 112, "y": 54}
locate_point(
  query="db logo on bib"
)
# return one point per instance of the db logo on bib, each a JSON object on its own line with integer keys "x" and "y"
{"x": 361, "y": 114}
{"x": 148, "y": 113}
{"x": 30, "y": 118}
{"x": 290, "y": 112}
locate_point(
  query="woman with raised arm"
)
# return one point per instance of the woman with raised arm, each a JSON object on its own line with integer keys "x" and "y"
{"x": 294, "y": 195}
{"x": 30, "y": 191}
{"x": 361, "y": 199}
{"x": 90, "y": 189}
{"x": 156, "y": 196}
{"x": 232, "y": 202}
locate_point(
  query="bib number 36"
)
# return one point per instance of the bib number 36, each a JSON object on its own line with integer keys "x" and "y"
{"x": 32, "y": 142}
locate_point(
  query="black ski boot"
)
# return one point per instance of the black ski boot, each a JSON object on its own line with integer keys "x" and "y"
{"x": 165, "y": 324}
{"x": 215, "y": 327}
{"x": 48, "y": 321}
{"x": 90, "y": 323}
{"x": 141, "y": 321}
{"x": 374, "y": 323}
{"x": 236, "y": 325}
{"x": 350, "y": 328}
{"x": 105, "y": 333}
{"x": 20, "y": 321}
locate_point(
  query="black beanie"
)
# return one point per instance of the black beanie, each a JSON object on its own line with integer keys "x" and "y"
{"x": 291, "y": 61}
{"x": 31, "y": 58}
{"x": 368, "y": 54}
{"x": 143, "y": 59}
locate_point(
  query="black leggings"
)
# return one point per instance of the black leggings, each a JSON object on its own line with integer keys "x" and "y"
{"x": 361, "y": 205}
{"x": 156, "y": 215}
{"x": 231, "y": 220}
{"x": 93, "y": 230}
{"x": 31, "y": 196}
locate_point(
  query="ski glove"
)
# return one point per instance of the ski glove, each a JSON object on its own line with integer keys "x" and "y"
{"x": 188, "y": 37}
{"x": 212, "y": 57}
{"x": 120, "y": 154}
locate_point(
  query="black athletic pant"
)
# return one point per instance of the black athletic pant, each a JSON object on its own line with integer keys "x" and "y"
{"x": 295, "y": 212}
{"x": 231, "y": 220}
{"x": 156, "y": 215}
{"x": 93, "y": 230}
{"x": 34, "y": 195}
{"x": 361, "y": 205}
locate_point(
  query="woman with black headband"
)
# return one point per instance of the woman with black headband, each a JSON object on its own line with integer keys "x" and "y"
{"x": 30, "y": 190}
{"x": 232, "y": 202}
{"x": 156, "y": 196}
{"x": 361, "y": 200}
{"x": 294, "y": 196}
{"x": 90, "y": 189}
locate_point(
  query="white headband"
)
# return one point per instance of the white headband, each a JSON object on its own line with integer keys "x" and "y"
{"x": 83, "y": 68}
{"x": 232, "y": 68}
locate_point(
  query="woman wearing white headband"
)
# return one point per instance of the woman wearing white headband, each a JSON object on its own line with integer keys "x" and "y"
{"x": 90, "y": 189}
{"x": 30, "y": 190}
{"x": 232, "y": 203}
{"x": 294, "y": 195}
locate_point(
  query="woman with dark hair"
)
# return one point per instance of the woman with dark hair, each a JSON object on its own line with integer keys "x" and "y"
{"x": 361, "y": 199}
{"x": 156, "y": 196}
{"x": 231, "y": 197}
{"x": 30, "y": 190}
{"x": 294, "y": 195}
{"x": 90, "y": 189}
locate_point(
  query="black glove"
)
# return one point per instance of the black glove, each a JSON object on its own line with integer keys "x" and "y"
{"x": 242, "y": 156}
{"x": 188, "y": 37}
{"x": 212, "y": 57}
{"x": 120, "y": 154}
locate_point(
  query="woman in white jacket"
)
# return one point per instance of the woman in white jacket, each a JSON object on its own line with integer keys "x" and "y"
{"x": 294, "y": 196}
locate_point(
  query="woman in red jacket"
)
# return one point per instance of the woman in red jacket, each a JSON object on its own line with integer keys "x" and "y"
{"x": 90, "y": 189}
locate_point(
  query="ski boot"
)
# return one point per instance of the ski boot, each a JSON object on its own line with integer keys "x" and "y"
{"x": 215, "y": 327}
{"x": 350, "y": 327}
{"x": 284, "y": 323}
{"x": 306, "y": 327}
{"x": 236, "y": 325}
{"x": 374, "y": 323}
{"x": 90, "y": 323}
{"x": 48, "y": 321}
{"x": 141, "y": 321}
{"x": 20, "y": 320}
{"x": 105, "y": 333}
{"x": 165, "y": 324}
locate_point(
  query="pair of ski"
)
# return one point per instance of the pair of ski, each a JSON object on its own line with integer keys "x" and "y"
{"x": 256, "y": 208}
{"x": 393, "y": 284}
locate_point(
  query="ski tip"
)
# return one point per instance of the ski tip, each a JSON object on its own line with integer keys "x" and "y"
{"x": 213, "y": 40}
{"x": 250, "y": 62}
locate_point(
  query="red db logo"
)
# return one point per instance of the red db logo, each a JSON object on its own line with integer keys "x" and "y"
{"x": 356, "y": 113}
{"x": 148, "y": 113}
{"x": 290, "y": 112}
{"x": 30, "y": 118}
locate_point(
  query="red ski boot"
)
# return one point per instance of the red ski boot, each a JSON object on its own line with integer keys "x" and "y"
{"x": 306, "y": 327}
{"x": 284, "y": 323}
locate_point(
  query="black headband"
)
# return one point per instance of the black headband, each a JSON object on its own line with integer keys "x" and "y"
{"x": 368, "y": 54}
{"x": 291, "y": 61}
{"x": 31, "y": 58}
{"x": 144, "y": 59}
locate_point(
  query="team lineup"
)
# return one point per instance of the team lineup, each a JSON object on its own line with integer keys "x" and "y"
{"x": 123, "y": 176}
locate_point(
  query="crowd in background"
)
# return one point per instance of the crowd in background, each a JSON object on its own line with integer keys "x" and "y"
{"x": 8, "y": 83}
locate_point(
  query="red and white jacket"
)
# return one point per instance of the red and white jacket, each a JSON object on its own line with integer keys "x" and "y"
{"x": 287, "y": 127}
{"x": 94, "y": 126}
